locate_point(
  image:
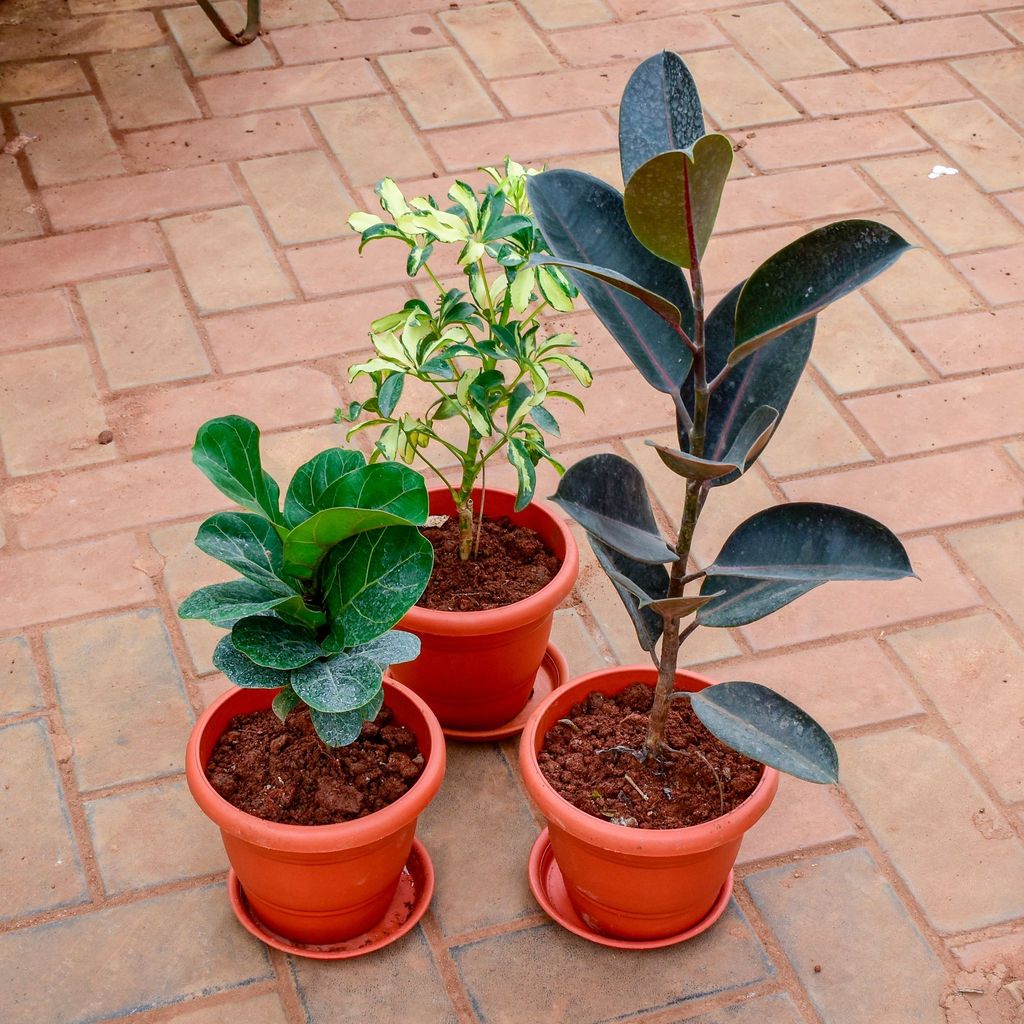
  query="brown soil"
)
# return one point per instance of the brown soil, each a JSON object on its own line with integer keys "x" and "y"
{"x": 282, "y": 771}
{"x": 513, "y": 563}
{"x": 680, "y": 788}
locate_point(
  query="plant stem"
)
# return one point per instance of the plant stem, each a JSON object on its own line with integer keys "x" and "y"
{"x": 464, "y": 500}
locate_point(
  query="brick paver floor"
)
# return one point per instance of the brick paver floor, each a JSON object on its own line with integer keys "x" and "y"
{"x": 172, "y": 212}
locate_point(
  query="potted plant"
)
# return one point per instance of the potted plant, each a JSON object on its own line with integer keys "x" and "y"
{"x": 608, "y": 762}
{"x": 476, "y": 369}
{"x": 313, "y": 769}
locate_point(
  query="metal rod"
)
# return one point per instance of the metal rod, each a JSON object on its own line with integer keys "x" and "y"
{"x": 252, "y": 22}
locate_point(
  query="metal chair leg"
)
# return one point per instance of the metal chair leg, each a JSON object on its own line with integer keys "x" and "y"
{"x": 252, "y": 22}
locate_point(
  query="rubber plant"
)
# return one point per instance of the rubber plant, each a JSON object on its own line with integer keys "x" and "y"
{"x": 482, "y": 353}
{"x": 730, "y": 374}
{"x": 323, "y": 578}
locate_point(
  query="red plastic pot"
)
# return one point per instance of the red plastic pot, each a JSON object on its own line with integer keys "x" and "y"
{"x": 476, "y": 669}
{"x": 635, "y": 883}
{"x": 317, "y": 884}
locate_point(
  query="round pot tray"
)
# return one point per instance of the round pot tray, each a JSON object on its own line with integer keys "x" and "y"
{"x": 553, "y": 673}
{"x": 548, "y": 887}
{"x": 410, "y": 902}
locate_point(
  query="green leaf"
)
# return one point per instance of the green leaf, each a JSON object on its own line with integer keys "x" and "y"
{"x": 274, "y": 643}
{"x": 767, "y": 378}
{"x": 554, "y": 289}
{"x": 391, "y": 648}
{"x": 371, "y": 580}
{"x": 227, "y": 452}
{"x": 576, "y": 367}
{"x": 249, "y": 544}
{"x": 285, "y": 703}
{"x": 389, "y": 394}
{"x": 382, "y": 230}
{"x": 337, "y": 730}
{"x": 583, "y": 220}
{"x": 545, "y": 421}
{"x": 677, "y": 607}
{"x": 243, "y": 672}
{"x": 383, "y": 487}
{"x": 342, "y": 683}
{"x": 660, "y": 111}
{"x": 762, "y": 724}
{"x": 314, "y": 479}
{"x": 637, "y": 584}
{"x": 418, "y": 255}
{"x": 369, "y": 711}
{"x": 677, "y": 193}
{"x": 224, "y": 604}
{"x": 606, "y": 495}
{"x": 809, "y": 274}
{"x": 779, "y": 554}
{"x": 306, "y": 545}
{"x": 295, "y": 610}
{"x": 526, "y": 474}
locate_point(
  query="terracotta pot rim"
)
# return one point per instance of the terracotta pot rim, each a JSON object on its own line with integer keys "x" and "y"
{"x": 628, "y": 841}
{"x": 307, "y": 839}
{"x": 535, "y": 606}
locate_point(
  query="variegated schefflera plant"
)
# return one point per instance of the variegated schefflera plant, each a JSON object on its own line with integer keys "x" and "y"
{"x": 323, "y": 578}
{"x": 730, "y": 374}
{"x": 484, "y": 354}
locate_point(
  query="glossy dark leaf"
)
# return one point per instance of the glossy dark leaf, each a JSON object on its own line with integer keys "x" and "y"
{"x": 337, "y": 729}
{"x": 385, "y": 487}
{"x": 660, "y": 111}
{"x": 344, "y": 682}
{"x": 225, "y": 603}
{"x": 243, "y": 672}
{"x": 315, "y": 478}
{"x": 765, "y": 726}
{"x": 391, "y": 648}
{"x": 227, "y": 451}
{"x": 273, "y": 643}
{"x": 606, "y": 495}
{"x": 369, "y": 711}
{"x": 630, "y": 579}
{"x": 582, "y": 219}
{"x": 809, "y": 274}
{"x": 743, "y": 600}
{"x": 689, "y": 466}
{"x": 677, "y": 194}
{"x": 389, "y": 394}
{"x": 249, "y": 544}
{"x": 768, "y": 378}
{"x": 371, "y": 580}
{"x": 285, "y": 703}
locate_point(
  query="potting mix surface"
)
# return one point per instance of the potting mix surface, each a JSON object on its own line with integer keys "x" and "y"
{"x": 173, "y": 247}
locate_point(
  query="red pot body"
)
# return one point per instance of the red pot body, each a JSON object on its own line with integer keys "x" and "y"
{"x": 317, "y": 884}
{"x": 635, "y": 883}
{"x": 476, "y": 669}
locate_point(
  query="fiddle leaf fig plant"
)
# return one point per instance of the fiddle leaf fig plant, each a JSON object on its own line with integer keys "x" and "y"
{"x": 323, "y": 579}
{"x": 482, "y": 352}
{"x": 730, "y": 373}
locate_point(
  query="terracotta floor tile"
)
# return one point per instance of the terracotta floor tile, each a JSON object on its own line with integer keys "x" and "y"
{"x": 1012, "y": 21}
{"x": 282, "y": 13}
{"x": 140, "y": 196}
{"x": 921, "y": 285}
{"x": 201, "y": 950}
{"x": 263, "y": 1009}
{"x": 984, "y": 145}
{"x": 20, "y": 691}
{"x": 225, "y": 260}
{"x": 908, "y": 42}
{"x": 499, "y": 40}
{"x": 38, "y": 830}
{"x": 998, "y": 276}
{"x": 35, "y": 319}
{"x": 774, "y": 1009}
{"x": 984, "y": 550}
{"x": 563, "y": 90}
{"x": 18, "y": 217}
{"x": 1014, "y": 202}
{"x": 948, "y": 209}
{"x": 300, "y": 196}
{"x": 780, "y": 42}
{"x": 971, "y": 342}
{"x": 568, "y": 13}
{"x": 223, "y": 138}
{"x": 574, "y": 640}
{"x": 339, "y": 267}
{"x": 637, "y": 40}
{"x": 62, "y": 36}
{"x": 851, "y": 921}
{"x": 734, "y": 92}
{"x": 879, "y": 89}
{"x": 1000, "y": 78}
{"x": 286, "y": 87}
{"x": 453, "y": 96}
{"x": 142, "y": 330}
{"x": 72, "y": 141}
{"x": 896, "y": 779}
{"x": 337, "y": 40}
{"x": 534, "y": 964}
{"x": 205, "y": 51}
{"x": 831, "y": 15}
{"x": 42, "y": 586}
{"x": 20, "y": 82}
{"x": 387, "y": 145}
{"x": 909, "y": 9}
{"x": 122, "y": 827}
{"x": 144, "y": 87}
{"x": 50, "y": 411}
